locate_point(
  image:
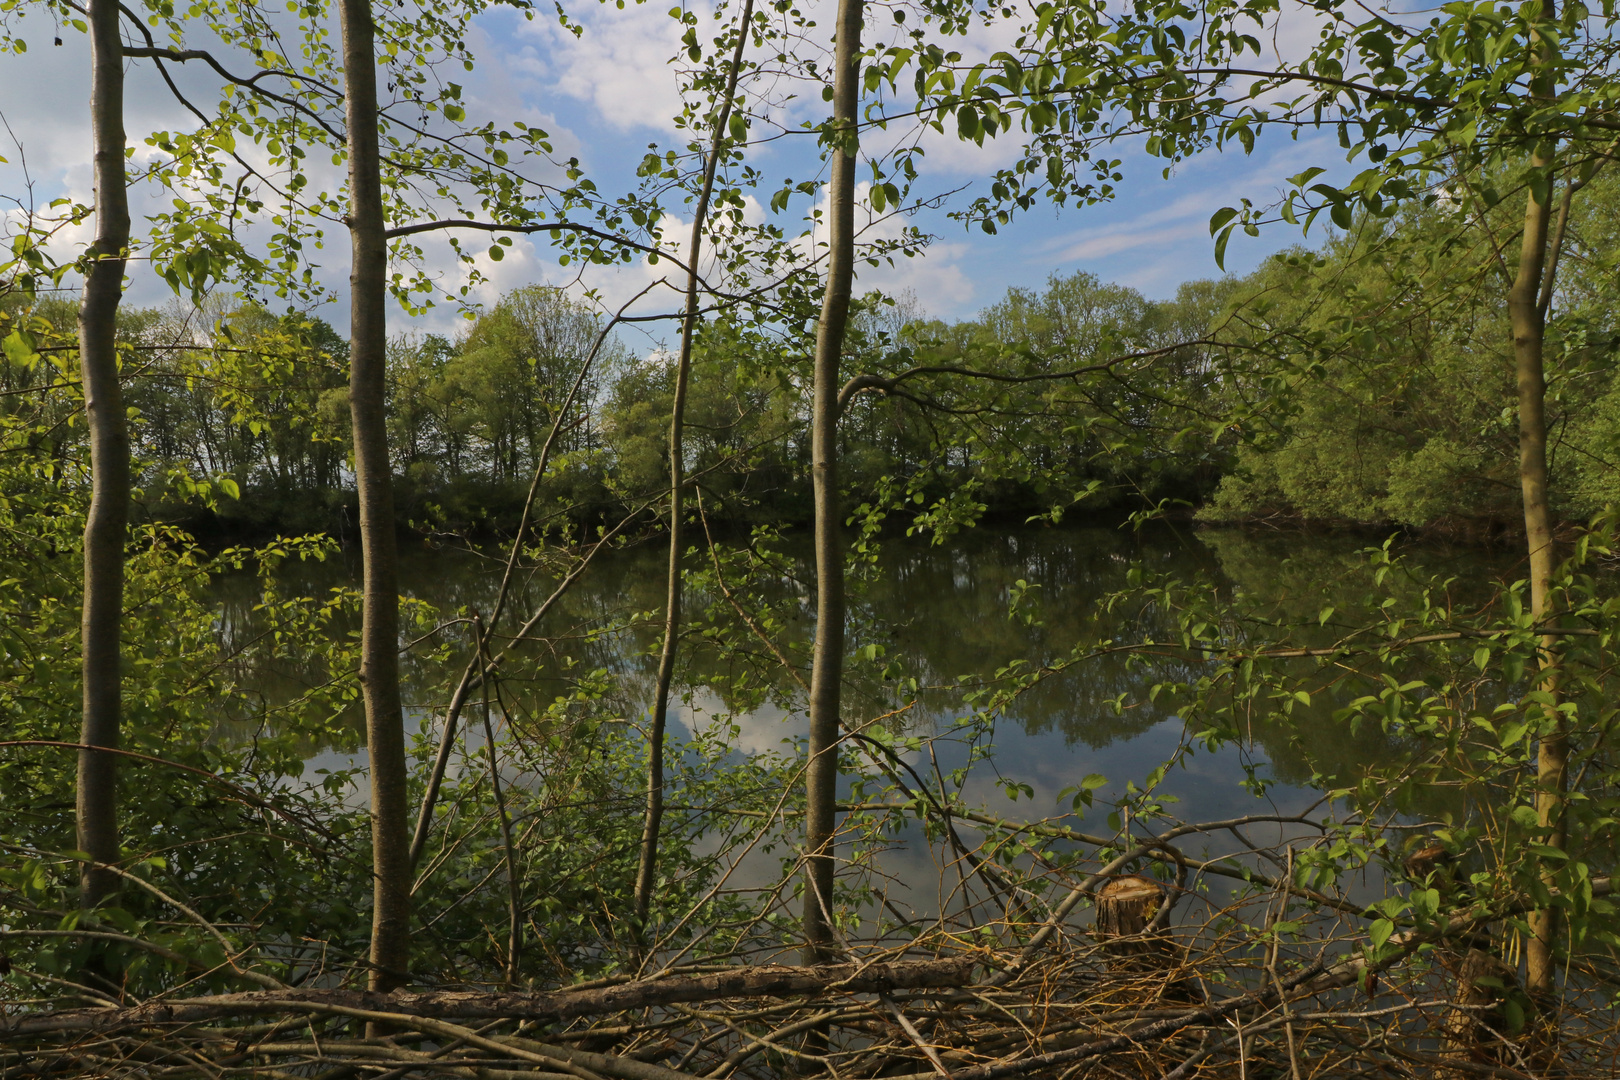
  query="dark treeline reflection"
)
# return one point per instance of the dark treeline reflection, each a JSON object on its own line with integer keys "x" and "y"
{"x": 947, "y": 616}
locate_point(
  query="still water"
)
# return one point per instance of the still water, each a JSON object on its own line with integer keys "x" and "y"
{"x": 939, "y": 614}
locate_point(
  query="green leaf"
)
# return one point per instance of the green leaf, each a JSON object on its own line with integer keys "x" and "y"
{"x": 1220, "y": 227}
{"x": 967, "y": 124}
{"x": 19, "y": 349}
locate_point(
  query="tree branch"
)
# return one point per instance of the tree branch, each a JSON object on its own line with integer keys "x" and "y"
{"x": 889, "y": 383}
{"x": 762, "y": 981}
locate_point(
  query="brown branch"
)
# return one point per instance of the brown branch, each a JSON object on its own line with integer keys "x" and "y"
{"x": 763, "y": 981}
{"x": 888, "y": 384}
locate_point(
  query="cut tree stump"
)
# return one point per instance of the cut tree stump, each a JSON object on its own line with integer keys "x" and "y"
{"x": 1126, "y": 907}
{"x": 1472, "y": 1030}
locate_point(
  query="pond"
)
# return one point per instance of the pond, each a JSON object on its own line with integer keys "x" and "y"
{"x": 939, "y": 613}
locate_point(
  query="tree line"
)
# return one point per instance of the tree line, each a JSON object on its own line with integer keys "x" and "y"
{"x": 1399, "y": 426}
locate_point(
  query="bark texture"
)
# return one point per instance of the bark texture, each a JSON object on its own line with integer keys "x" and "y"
{"x": 379, "y": 634}
{"x": 743, "y": 982}
{"x": 1125, "y": 910}
{"x": 97, "y": 795}
{"x": 1529, "y": 336}
{"x": 1130, "y": 927}
{"x": 1471, "y": 1033}
{"x": 827, "y": 663}
{"x": 652, "y": 826}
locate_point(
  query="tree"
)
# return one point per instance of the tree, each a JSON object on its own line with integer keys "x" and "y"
{"x": 1422, "y": 113}
{"x": 826, "y": 671}
{"x": 647, "y": 868}
{"x": 1478, "y": 102}
{"x": 374, "y": 480}
{"x": 109, "y": 460}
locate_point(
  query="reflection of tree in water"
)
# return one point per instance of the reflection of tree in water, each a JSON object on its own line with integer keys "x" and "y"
{"x": 1279, "y": 586}
{"x": 280, "y": 674}
{"x": 453, "y": 583}
{"x": 941, "y": 612}
{"x": 948, "y": 611}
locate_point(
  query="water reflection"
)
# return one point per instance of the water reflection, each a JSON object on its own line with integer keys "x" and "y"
{"x": 939, "y": 614}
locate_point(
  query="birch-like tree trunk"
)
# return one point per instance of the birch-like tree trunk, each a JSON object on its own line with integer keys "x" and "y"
{"x": 97, "y": 796}
{"x": 379, "y": 633}
{"x": 827, "y": 664}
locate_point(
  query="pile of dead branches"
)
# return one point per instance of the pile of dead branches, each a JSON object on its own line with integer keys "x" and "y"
{"x": 1206, "y": 967}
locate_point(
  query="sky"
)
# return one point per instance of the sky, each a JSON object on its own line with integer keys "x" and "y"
{"x": 605, "y": 95}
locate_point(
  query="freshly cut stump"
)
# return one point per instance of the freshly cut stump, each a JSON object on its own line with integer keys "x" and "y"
{"x": 1126, "y": 907}
{"x": 1474, "y": 1024}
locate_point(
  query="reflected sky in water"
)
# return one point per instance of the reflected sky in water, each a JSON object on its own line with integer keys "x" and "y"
{"x": 941, "y": 612}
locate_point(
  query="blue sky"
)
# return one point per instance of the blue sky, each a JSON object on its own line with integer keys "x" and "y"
{"x": 608, "y": 93}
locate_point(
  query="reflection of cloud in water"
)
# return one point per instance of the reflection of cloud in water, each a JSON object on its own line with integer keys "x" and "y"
{"x": 358, "y": 792}
{"x": 766, "y": 728}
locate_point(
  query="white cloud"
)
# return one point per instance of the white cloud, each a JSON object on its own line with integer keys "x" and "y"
{"x": 935, "y": 274}
{"x": 620, "y": 64}
{"x": 603, "y": 95}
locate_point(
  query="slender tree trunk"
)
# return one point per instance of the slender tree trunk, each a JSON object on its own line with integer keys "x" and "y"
{"x": 514, "y": 905}
{"x": 379, "y": 633}
{"x": 1529, "y": 335}
{"x": 1529, "y": 329}
{"x": 646, "y": 871}
{"x": 97, "y": 800}
{"x": 827, "y": 663}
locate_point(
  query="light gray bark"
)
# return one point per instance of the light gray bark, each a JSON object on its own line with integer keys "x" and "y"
{"x": 97, "y": 798}
{"x": 379, "y": 633}
{"x": 652, "y": 825}
{"x": 827, "y": 663}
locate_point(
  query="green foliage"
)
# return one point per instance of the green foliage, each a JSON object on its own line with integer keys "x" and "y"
{"x": 1441, "y": 670}
{"x": 1393, "y": 404}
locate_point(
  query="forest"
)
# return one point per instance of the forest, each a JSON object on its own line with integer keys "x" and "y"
{"x": 1097, "y": 686}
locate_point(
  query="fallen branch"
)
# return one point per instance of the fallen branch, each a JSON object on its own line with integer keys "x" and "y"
{"x": 764, "y": 981}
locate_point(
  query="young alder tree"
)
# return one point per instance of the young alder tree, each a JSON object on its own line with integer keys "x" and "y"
{"x": 415, "y": 165}
{"x": 827, "y": 664}
{"x": 1477, "y": 109}
{"x": 104, "y": 529}
{"x": 722, "y": 136}
{"x": 374, "y": 482}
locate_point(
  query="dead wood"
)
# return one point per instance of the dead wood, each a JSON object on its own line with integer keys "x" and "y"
{"x": 762, "y": 981}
